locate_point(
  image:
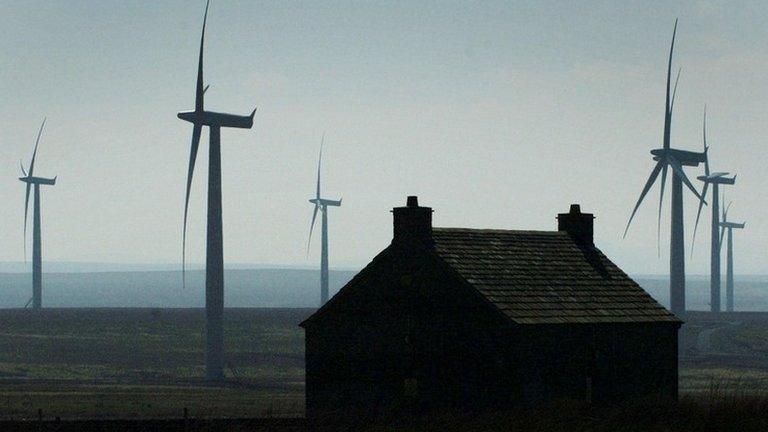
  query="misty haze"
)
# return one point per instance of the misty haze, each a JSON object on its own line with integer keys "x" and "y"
{"x": 383, "y": 215}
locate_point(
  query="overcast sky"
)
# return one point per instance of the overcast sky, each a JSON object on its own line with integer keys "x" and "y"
{"x": 497, "y": 114}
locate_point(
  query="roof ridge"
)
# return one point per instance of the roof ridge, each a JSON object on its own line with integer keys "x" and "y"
{"x": 497, "y": 230}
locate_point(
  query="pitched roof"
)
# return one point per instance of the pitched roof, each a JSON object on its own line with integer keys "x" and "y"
{"x": 360, "y": 280}
{"x": 543, "y": 277}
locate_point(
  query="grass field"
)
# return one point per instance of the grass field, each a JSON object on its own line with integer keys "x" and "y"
{"x": 148, "y": 363}
{"x": 130, "y": 363}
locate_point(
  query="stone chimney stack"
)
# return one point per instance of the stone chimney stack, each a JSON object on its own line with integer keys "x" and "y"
{"x": 579, "y": 225}
{"x": 412, "y": 222}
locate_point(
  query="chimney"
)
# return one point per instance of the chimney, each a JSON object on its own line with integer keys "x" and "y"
{"x": 579, "y": 225}
{"x": 412, "y": 221}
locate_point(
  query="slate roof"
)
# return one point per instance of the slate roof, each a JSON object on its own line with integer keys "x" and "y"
{"x": 545, "y": 277}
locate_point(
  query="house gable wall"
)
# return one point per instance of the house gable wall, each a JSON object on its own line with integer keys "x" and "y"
{"x": 411, "y": 334}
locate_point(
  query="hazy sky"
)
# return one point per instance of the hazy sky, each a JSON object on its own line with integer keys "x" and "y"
{"x": 497, "y": 114}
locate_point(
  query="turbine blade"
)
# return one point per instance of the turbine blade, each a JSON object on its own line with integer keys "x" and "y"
{"x": 706, "y": 184}
{"x": 722, "y": 208}
{"x": 668, "y": 118}
{"x": 661, "y": 202}
{"x": 192, "y": 158}
{"x": 200, "y": 90}
{"x": 319, "y": 160}
{"x": 26, "y": 209}
{"x": 21, "y": 164}
{"x": 698, "y": 215}
{"x": 725, "y": 212}
{"x": 674, "y": 92}
{"x": 34, "y": 153}
{"x": 667, "y": 104}
{"x": 678, "y": 169}
{"x": 646, "y": 188}
{"x": 722, "y": 234}
{"x": 312, "y": 226}
{"x": 706, "y": 149}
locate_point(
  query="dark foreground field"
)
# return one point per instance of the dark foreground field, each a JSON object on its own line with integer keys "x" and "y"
{"x": 107, "y": 364}
{"x": 128, "y": 363}
{"x": 715, "y": 412}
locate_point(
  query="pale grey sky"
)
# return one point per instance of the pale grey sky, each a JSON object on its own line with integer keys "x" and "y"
{"x": 497, "y": 114}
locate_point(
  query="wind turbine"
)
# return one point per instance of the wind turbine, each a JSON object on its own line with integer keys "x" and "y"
{"x": 729, "y": 226}
{"x": 214, "y": 265}
{"x": 668, "y": 157}
{"x": 322, "y": 205}
{"x": 714, "y": 179}
{"x": 37, "y": 252}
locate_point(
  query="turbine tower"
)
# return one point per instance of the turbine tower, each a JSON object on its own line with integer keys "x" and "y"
{"x": 37, "y": 252}
{"x": 714, "y": 179}
{"x": 729, "y": 226}
{"x": 668, "y": 157}
{"x": 322, "y": 205}
{"x": 214, "y": 265}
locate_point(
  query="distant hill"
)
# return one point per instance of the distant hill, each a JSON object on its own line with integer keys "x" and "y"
{"x": 244, "y": 288}
{"x": 99, "y": 267}
{"x": 263, "y": 287}
{"x": 751, "y": 291}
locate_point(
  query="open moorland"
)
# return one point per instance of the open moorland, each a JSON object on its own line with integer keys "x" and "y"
{"x": 147, "y": 363}
{"x": 106, "y": 363}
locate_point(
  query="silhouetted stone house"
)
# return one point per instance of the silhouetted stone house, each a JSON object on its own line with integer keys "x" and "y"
{"x": 471, "y": 319}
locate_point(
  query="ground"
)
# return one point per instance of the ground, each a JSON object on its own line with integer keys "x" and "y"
{"x": 129, "y": 363}
{"x": 148, "y": 362}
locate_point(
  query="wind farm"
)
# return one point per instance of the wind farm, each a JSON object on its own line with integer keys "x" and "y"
{"x": 493, "y": 266}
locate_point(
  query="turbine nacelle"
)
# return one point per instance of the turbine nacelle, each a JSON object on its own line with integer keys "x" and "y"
{"x": 733, "y": 225}
{"x": 718, "y": 177}
{"x": 214, "y": 119}
{"x": 38, "y": 180}
{"x": 325, "y": 202}
{"x": 685, "y": 157}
